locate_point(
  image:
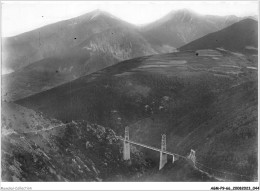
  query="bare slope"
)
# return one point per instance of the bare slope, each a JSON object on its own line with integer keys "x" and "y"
{"x": 50, "y": 40}
{"x": 83, "y": 45}
{"x": 183, "y": 26}
{"x": 239, "y": 37}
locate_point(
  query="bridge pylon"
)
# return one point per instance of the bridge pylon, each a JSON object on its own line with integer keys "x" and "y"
{"x": 126, "y": 151}
{"x": 192, "y": 156}
{"x": 163, "y": 156}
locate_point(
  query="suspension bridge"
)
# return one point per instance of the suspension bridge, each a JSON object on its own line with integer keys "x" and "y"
{"x": 211, "y": 172}
{"x": 163, "y": 152}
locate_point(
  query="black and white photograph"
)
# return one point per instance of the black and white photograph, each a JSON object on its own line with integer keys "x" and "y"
{"x": 130, "y": 92}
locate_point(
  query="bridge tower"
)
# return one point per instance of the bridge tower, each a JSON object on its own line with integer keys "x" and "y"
{"x": 192, "y": 156}
{"x": 126, "y": 145}
{"x": 163, "y": 156}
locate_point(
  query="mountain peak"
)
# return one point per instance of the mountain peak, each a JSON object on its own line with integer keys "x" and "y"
{"x": 99, "y": 12}
{"x": 185, "y": 10}
{"x": 181, "y": 14}
{"x": 96, "y": 14}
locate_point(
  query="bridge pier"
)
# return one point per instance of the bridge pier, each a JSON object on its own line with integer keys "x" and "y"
{"x": 126, "y": 151}
{"x": 163, "y": 156}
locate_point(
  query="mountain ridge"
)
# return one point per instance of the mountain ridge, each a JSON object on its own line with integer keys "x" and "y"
{"x": 68, "y": 24}
{"x": 101, "y": 42}
{"x": 236, "y": 37}
{"x": 183, "y": 26}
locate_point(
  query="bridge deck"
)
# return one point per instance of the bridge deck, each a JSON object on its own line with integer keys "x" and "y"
{"x": 150, "y": 147}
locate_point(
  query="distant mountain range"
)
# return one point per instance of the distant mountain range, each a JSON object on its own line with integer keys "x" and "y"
{"x": 61, "y": 52}
{"x": 60, "y": 38}
{"x": 183, "y": 26}
{"x": 239, "y": 37}
{"x": 175, "y": 29}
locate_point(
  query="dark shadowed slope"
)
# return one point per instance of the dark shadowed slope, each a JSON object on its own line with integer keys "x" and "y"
{"x": 183, "y": 26}
{"x": 239, "y": 37}
{"x": 206, "y": 102}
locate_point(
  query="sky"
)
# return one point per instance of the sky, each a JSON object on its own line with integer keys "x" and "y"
{"x": 19, "y": 17}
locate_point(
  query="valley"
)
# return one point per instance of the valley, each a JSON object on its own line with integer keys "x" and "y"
{"x": 75, "y": 151}
{"x": 76, "y": 85}
{"x": 191, "y": 99}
